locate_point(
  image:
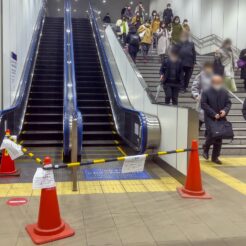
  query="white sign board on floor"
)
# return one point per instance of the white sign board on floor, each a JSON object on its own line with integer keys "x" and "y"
{"x": 134, "y": 164}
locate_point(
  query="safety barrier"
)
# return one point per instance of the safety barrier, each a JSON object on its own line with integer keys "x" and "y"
{"x": 193, "y": 186}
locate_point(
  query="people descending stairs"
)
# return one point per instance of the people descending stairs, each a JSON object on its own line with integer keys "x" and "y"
{"x": 93, "y": 100}
{"x": 150, "y": 73}
{"x": 43, "y": 124}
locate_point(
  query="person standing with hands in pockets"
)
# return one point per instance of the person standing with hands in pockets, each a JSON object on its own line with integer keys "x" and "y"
{"x": 172, "y": 77}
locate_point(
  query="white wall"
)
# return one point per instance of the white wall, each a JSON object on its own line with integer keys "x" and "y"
{"x": 225, "y": 18}
{"x": 19, "y": 19}
{"x": 174, "y": 121}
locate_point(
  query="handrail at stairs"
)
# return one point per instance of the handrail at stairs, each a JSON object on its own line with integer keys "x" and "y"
{"x": 70, "y": 108}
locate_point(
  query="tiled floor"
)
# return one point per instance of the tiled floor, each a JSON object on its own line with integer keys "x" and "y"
{"x": 139, "y": 212}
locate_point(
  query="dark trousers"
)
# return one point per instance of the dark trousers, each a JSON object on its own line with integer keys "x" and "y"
{"x": 188, "y": 71}
{"x": 245, "y": 84}
{"x": 217, "y": 143}
{"x": 171, "y": 93}
{"x": 133, "y": 55}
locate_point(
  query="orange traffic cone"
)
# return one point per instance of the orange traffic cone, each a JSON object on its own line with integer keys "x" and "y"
{"x": 50, "y": 227}
{"x": 193, "y": 186}
{"x": 7, "y": 167}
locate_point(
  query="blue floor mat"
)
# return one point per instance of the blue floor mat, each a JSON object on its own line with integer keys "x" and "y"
{"x": 93, "y": 174}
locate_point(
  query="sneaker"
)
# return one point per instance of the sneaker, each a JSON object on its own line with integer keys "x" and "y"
{"x": 217, "y": 161}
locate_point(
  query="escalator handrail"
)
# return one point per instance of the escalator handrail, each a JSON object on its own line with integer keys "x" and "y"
{"x": 140, "y": 115}
{"x": 70, "y": 110}
{"x": 21, "y": 98}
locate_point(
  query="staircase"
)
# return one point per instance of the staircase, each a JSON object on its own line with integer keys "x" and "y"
{"x": 150, "y": 72}
{"x": 43, "y": 124}
{"x": 93, "y": 101}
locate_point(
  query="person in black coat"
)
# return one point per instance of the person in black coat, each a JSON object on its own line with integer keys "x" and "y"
{"x": 107, "y": 19}
{"x": 187, "y": 55}
{"x": 168, "y": 15}
{"x": 172, "y": 77}
{"x": 243, "y": 69}
{"x": 133, "y": 43}
{"x": 216, "y": 104}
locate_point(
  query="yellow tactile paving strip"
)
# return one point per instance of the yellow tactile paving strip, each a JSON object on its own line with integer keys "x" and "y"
{"x": 229, "y": 162}
{"x": 227, "y": 179}
{"x": 164, "y": 184}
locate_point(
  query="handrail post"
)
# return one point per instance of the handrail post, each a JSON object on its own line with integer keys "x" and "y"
{"x": 74, "y": 153}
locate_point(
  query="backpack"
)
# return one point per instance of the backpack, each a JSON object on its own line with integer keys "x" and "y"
{"x": 134, "y": 40}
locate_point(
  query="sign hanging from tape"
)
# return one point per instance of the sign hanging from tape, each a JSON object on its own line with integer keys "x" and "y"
{"x": 43, "y": 179}
{"x": 13, "y": 149}
{"x": 134, "y": 164}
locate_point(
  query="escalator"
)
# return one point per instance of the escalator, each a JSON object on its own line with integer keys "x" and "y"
{"x": 93, "y": 100}
{"x": 43, "y": 124}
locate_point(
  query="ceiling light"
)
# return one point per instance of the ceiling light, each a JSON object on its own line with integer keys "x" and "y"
{"x": 75, "y": 10}
{"x": 58, "y": 10}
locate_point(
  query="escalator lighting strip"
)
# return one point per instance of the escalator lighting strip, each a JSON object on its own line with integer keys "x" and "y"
{"x": 24, "y": 150}
{"x": 121, "y": 158}
{"x": 180, "y": 150}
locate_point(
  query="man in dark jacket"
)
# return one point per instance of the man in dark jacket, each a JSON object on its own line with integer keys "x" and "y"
{"x": 107, "y": 19}
{"x": 168, "y": 15}
{"x": 216, "y": 104}
{"x": 187, "y": 54}
{"x": 133, "y": 42}
{"x": 172, "y": 77}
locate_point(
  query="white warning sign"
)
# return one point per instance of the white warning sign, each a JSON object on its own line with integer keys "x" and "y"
{"x": 43, "y": 179}
{"x": 13, "y": 149}
{"x": 134, "y": 164}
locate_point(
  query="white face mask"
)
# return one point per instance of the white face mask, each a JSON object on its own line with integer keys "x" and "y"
{"x": 177, "y": 21}
{"x": 217, "y": 87}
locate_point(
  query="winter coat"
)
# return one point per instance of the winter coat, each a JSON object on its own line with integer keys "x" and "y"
{"x": 107, "y": 19}
{"x": 140, "y": 10}
{"x": 168, "y": 16}
{"x": 186, "y": 27}
{"x": 212, "y": 103}
{"x": 155, "y": 25}
{"x": 201, "y": 83}
{"x": 243, "y": 70}
{"x": 132, "y": 48}
{"x": 163, "y": 41}
{"x": 147, "y": 38}
{"x": 227, "y": 59}
{"x": 187, "y": 53}
{"x": 244, "y": 109}
{"x": 137, "y": 22}
{"x": 165, "y": 70}
{"x": 128, "y": 14}
{"x": 177, "y": 30}
{"x": 120, "y": 24}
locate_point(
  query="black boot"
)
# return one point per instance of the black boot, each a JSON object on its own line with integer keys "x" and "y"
{"x": 205, "y": 153}
{"x": 217, "y": 161}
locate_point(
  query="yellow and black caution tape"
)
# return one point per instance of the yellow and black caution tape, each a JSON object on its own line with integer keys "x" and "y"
{"x": 26, "y": 152}
{"x": 121, "y": 158}
{"x": 96, "y": 161}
